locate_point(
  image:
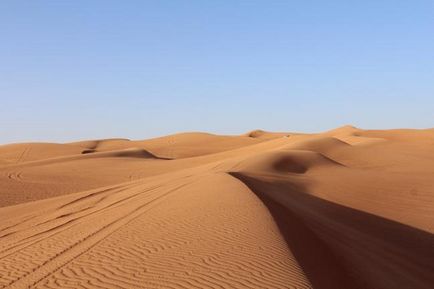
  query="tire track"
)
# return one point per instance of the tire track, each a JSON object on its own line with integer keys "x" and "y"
{"x": 23, "y": 154}
{"x": 95, "y": 236}
{"x": 78, "y": 249}
{"x": 209, "y": 242}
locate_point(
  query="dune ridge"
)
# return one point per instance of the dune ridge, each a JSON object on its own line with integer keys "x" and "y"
{"x": 347, "y": 208}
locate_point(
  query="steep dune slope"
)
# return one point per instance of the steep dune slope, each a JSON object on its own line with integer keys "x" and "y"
{"x": 371, "y": 221}
{"x": 347, "y": 208}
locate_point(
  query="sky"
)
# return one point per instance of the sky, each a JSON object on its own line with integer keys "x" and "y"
{"x": 82, "y": 69}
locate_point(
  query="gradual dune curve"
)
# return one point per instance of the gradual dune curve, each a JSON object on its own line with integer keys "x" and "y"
{"x": 282, "y": 162}
{"x": 24, "y": 152}
{"x": 344, "y": 209}
{"x": 319, "y": 144}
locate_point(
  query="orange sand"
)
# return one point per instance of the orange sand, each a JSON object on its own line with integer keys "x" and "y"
{"x": 344, "y": 209}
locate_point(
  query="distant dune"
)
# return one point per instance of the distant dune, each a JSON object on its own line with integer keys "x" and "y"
{"x": 344, "y": 209}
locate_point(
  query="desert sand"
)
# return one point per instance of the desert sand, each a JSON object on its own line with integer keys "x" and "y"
{"x": 343, "y": 209}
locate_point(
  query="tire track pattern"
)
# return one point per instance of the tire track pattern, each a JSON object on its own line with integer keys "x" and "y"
{"x": 155, "y": 234}
{"x": 25, "y": 259}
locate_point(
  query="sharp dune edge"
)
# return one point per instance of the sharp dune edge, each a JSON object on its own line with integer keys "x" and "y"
{"x": 344, "y": 209}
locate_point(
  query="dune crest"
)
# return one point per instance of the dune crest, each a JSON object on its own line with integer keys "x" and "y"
{"x": 346, "y": 208}
{"x": 262, "y": 134}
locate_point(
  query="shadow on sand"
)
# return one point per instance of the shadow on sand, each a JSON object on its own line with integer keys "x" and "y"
{"x": 342, "y": 248}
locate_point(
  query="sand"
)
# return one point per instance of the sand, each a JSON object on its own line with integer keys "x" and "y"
{"x": 344, "y": 209}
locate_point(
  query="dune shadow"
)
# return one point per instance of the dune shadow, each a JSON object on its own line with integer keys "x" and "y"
{"x": 341, "y": 247}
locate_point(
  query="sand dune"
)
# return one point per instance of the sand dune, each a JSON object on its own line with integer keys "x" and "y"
{"x": 174, "y": 146}
{"x": 347, "y": 208}
{"x": 23, "y": 152}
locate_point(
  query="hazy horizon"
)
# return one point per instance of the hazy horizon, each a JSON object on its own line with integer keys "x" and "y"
{"x": 136, "y": 69}
{"x": 67, "y": 140}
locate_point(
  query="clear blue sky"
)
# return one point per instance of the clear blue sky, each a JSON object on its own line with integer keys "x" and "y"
{"x": 136, "y": 69}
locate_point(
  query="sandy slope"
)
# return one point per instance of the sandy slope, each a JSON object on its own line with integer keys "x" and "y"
{"x": 347, "y": 208}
